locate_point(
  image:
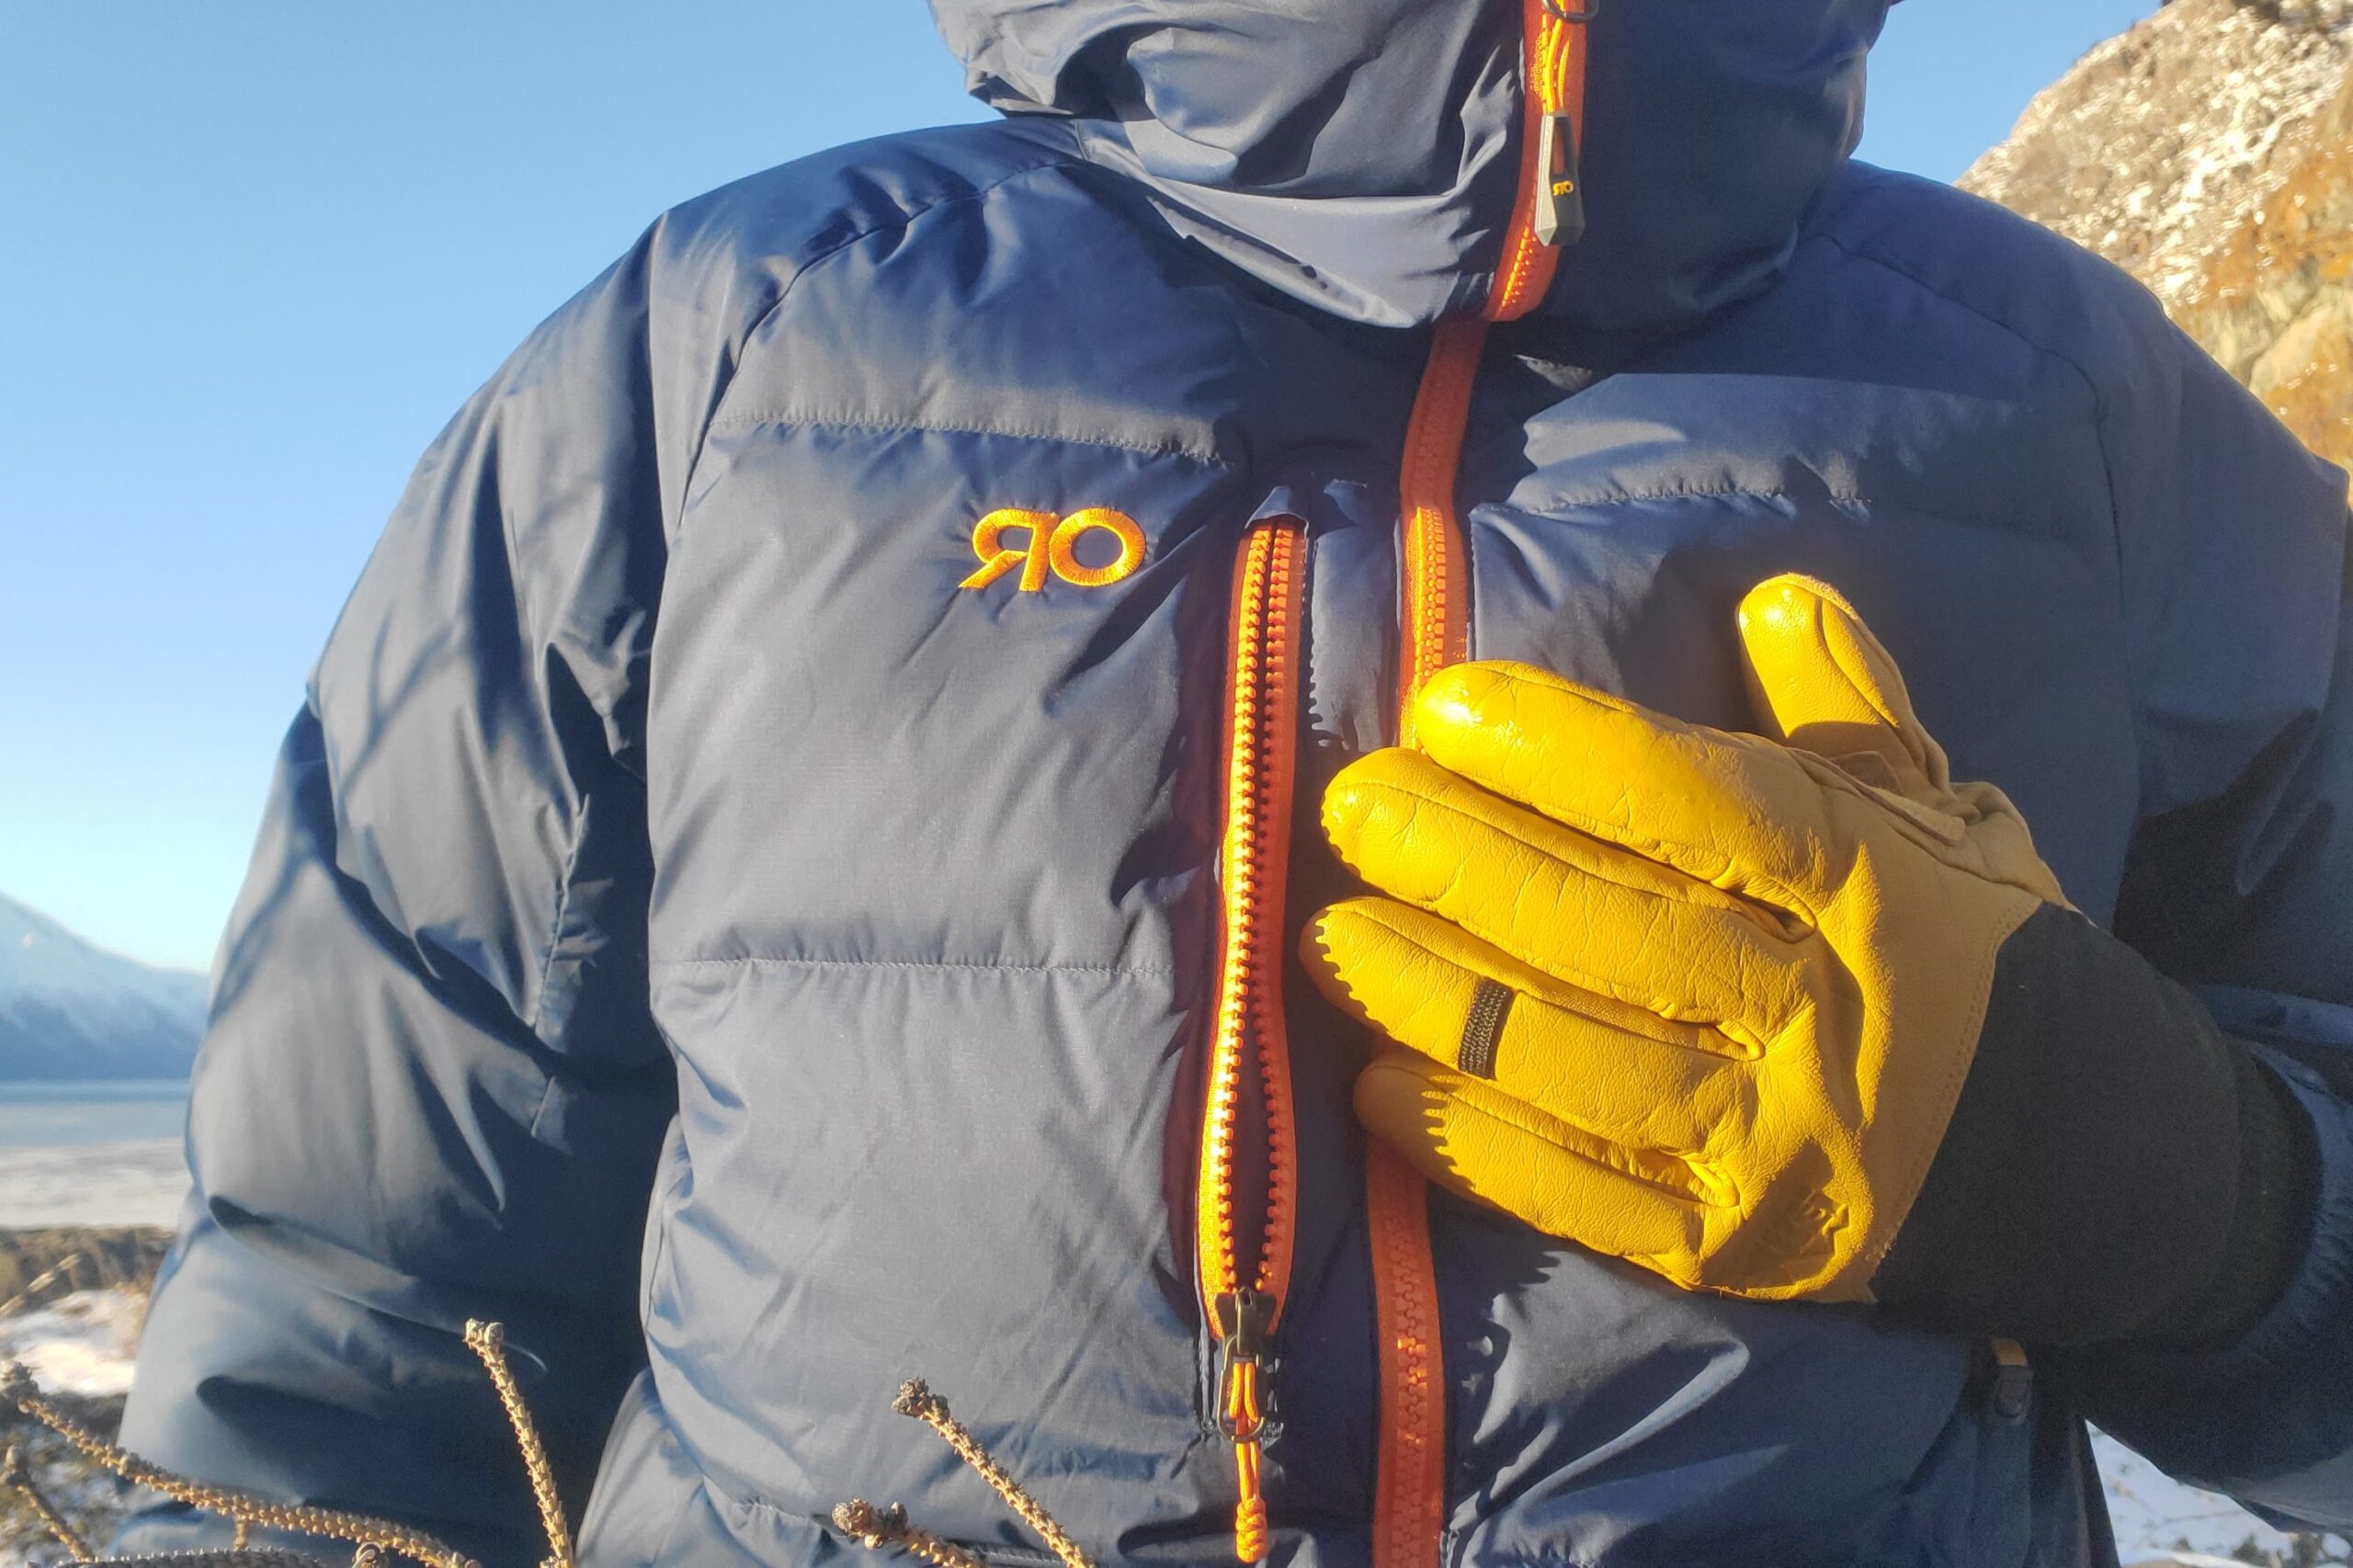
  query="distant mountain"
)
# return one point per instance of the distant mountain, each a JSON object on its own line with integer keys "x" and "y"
{"x": 70, "y": 1010}
{"x": 2209, "y": 151}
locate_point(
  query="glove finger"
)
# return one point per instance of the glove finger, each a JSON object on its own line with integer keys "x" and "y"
{"x": 1819, "y": 680}
{"x": 1737, "y": 811}
{"x": 1468, "y": 1137}
{"x": 1610, "y": 1069}
{"x": 1561, "y": 901}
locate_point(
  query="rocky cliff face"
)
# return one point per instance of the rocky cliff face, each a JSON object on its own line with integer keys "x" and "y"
{"x": 2210, "y": 153}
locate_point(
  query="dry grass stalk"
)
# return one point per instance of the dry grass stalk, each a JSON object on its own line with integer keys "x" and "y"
{"x": 17, "y": 1388}
{"x": 215, "y": 1559}
{"x": 916, "y": 1399}
{"x": 488, "y": 1341}
{"x": 62, "y": 1270}
{"x": 14, "y": 1473}
{"x": 882, "y": 1529}
{"x": 879, "y": 1527}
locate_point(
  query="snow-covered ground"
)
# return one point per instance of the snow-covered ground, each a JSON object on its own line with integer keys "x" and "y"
{"x": 80, "y": 1345}
{"x": 84, "y": 1343}
{"x": 2152, "y": 1513}
{"x": 137, "y": 1182}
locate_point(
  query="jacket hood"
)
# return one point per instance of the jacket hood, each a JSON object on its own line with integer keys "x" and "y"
{"x": 1363, "y": 155}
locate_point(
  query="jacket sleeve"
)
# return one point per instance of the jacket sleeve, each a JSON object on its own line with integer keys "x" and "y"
{"x": 2241, "y": 884}
{"x": 431, "y": 1089}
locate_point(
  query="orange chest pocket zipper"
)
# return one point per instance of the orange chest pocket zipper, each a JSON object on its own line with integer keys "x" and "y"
{"x": 1248, "y": 1194}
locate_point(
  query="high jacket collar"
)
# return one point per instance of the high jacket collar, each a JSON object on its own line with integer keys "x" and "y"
{"x": 1364, "y": 154}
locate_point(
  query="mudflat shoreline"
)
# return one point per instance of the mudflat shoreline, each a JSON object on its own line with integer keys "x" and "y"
{"x": 130, "y": 1183}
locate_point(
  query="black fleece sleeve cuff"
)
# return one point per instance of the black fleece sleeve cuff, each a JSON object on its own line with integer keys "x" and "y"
{"x": 2118, "y": 1169}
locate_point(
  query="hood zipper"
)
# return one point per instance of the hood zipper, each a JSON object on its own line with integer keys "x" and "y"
{"x": 1548, "y": 215}
{"x": 1409, "y": 1481}
{"x": 1249, "y": 1051}
{"x": 1559, "y": 174}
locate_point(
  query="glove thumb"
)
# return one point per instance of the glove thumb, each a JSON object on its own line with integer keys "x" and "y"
{"x": 1821, "y": 682}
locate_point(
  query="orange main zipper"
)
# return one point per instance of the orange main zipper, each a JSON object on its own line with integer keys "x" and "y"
{"x": 1409, "y": 1484}
{"x": 1243, "y": 1295}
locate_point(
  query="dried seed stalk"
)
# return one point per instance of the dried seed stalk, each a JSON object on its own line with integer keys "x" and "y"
{"x": 878, "y": 1528}
{"x": 62, "y": 1269}
{"x": 19, "y": 1475}
{"x": 215, "y": 1559}
{"x": 17, "y": 1388}
{"x": 488, "y": 1340}
{"x": 916, "y": 1399}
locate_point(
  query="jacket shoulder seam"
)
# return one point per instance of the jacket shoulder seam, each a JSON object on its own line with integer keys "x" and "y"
{"x": 1872, "y": 258}
{"x": 1703, "y": 492}
{"x": 2091, "y": 385}
{"x": 816, "y": 418}
{"x": 904, "y": 217}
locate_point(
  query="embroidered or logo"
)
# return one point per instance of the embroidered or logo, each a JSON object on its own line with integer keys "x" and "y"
{"x": 1052, "y": 545}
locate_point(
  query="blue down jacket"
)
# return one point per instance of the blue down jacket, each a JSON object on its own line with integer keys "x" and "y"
{"x": 702, "y": 926}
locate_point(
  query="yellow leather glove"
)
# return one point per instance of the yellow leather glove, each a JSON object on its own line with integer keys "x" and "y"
{"x": 1703, "y": 1001}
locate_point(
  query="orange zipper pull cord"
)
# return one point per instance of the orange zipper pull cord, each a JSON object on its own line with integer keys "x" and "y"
{"x": 1243, "y": 1318}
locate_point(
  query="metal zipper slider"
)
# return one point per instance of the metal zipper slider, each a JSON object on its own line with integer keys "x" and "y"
{"x": 1560, "y": 183}
{"x": 1244, "y": 1320}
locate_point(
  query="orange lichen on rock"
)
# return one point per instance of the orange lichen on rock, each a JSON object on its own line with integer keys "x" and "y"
{"x": 2209, "y": 151}
{"x": 2275, "y": 305}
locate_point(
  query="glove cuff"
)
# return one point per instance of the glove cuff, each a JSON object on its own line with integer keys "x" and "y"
{"x": 2117, "y": 1167}
{"x": 2271, "y": 1220}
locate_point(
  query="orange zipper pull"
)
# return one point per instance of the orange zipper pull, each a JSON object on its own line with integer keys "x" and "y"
{"x": 1244, "y": 1319}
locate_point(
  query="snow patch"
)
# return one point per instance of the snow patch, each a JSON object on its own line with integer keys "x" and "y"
{"x": 2154, "y": 1515}
{"x": 82, "y": 1345}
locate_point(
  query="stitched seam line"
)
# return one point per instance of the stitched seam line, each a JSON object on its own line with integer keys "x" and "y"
{"x": 563, "y": 908}
{"x": 818, "y": 420}
{"x": 2099, "y": 403}
{"x": 547, "y": 965}
{"x": 903, "y": 219}
{"x": 984, "y": 965}
{"x": 1692, "y": 492}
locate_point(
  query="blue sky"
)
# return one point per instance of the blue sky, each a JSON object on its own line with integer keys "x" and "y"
{"x": 261, "y": 249}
